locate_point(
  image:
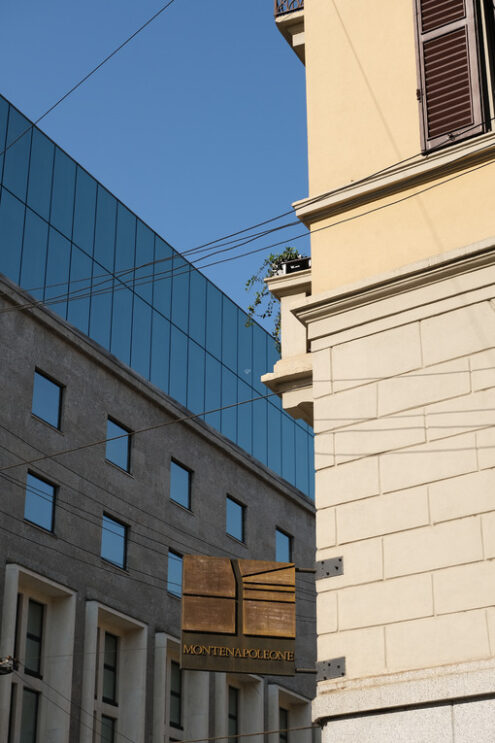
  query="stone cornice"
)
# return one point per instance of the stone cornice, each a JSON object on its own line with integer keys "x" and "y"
{"x": 415, "y": 172}
{"x": 289, "y": 283}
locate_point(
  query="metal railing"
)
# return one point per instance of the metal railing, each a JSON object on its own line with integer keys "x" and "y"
{"x": 287, "y": 6}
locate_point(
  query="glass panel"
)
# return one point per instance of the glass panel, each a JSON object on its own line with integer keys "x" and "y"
{"x": 121, "y": 322}
{"x": 4, "y": 116}
{"x": 283, "y": 546}
{"x": 259, "y": 359}
{"x": 245, "y": 349}
{"x": 64, "y": 176}
{"x": 118, "y": 449}
{"x": 283, "y": 725}
{"x": 178, "y": 366}
{"x": 162, "y": 283}
{"x": 160, "y": 351}
{"x": 213, "y": 320}
{"x": 57, "y": 272}
{"x": 125, "y": 246}
{"x": 100, "y": 313}
{"x": 274, "y": 438}
{"x": 34, "y": 254}
{"x": 174, "y": 574}
{"x": 213, "y": 390}
{"x": 141, "y": 337}
{"x": 235, "y": 519}
{"x": 16, "y": 164}
{"x": 38, "y": 506}
{"x": 32, "y": 661}
{"x": 229, "y": 334}
{"x": 11, "y": 229}
{"x": 32, "y": 656}
{"x": 302, "y": 463}
{"x": 84, "y": 211}
{"x": 29, "y": 717}
{"x": 233, "y": 716}
{"x": 107, "y": 729}
{"x": 104, "y": 250}
{"x": 197, "y": 305}
{"x": 47, "y": 399}
{"x": 245, "y": 417}
{"x": 180, "y": 482}
{"x": 110, "y": 668}
{"x": 260, "y": 443}
{"x": 196, "y": 378}
{"x": 40, "y": 174}
{"x": 175, "y": 694}
{"x": 180, "y": 293}
{"x": 80, "y": 283}
{"x": 113, "y": 541}
{"x": 288, "y": 449}
{"x": 175, "y": 710}
{"x": 311, "y": 459}
{"x": 143, "y": 277}
{"x": 229, "y": 397}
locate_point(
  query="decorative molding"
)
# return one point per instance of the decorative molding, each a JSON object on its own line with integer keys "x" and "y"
{"x": 287, "y": 284}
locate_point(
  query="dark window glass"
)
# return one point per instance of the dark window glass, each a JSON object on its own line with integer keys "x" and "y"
{"x": 29, "y": 716}
{"x": 84, "y": 211}
{"x": 283, "y": 725}
{"x": 34, "y": 638}
{"x": 180, "y": 484}
{"x": 260, "y": 442}
{"x": 229, "y": 400}
{"x": 180, "y": 293}
{"x": 15, "y": 169}
{"x": 233, "y": 713}
{"x": 34, "y": 249}
{"x": 196, "y": 378}
{"x": 274, "y": 438}
{"x": 245, "y": 349}
{"x": 80, "y": 283}
{"x": 174, "y": 575}
{"x": 178, "y": 365}
{"x": 213, "y": 390}
{"x": 213, "y": 320}
{"x": 121, "y": 322}
{"x": 47, "y": 399}
{"x": 197, "y": 305}
{"x": 113, "y": 541}
{"x": 229, "y": 334}
{"x": 107, "y": 729}
{"x": 110, "y": 668}
{"x": 245, "y": 416}
{"x": 283, "y": 546}
{"x": 64, "y": 179}
{"x": 40, "y": 174}
{"x": 38, "y": 506}
{"x": 175, "y": 695}
{"x": 162, "y": 277}
{"x": 118, "y": 450}
{"x": 141, "y": 337}
{"x": 11, "y": 229}
{"x": 143, "y": 277}
{"x": 260, "y": 366}
{"x": 160, "y": 351}
{"x": 57, "y": 272}
{"x": 235, "y": 519}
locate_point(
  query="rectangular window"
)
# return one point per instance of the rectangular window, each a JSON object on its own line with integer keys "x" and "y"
{"x": 283, "y": 546}
{"x": 174, "y": 577}
{"x": 110, "y": 668}
{"x": 180, "y": 484}
{"x": 233, "y": 713}
{"x": 29, "y": 716}
{"x": 118, "y": 450}
{"x": 175, "y": 695}
{"x": 39, "y": 503}
{"x": 283, "y": 725}
{"x": 107, "y": 729}
{"x": 235, "y": 519}
{"x": 47, "y": 400}
{"x": 34, "y": 638}
{"x": 113, "y": 541}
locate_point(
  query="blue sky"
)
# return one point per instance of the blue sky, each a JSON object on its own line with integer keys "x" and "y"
{"x": 198, "y": 125}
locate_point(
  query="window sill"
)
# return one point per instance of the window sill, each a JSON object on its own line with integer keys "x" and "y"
{"x": 43, "y": 529}
{"x": 234, "y": 539}
{"x": 124, "y": 570}
{"x": 183, "y": 508}
{"x": 120, "y": 469}
{"x": 174, "y": 595}
{"x": 46, "y": 423}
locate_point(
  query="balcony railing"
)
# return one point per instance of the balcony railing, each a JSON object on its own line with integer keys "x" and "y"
{"x": 287, "y": 6}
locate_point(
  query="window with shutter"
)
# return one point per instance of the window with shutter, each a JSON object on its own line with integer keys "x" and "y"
{"x": 451, "y": 77}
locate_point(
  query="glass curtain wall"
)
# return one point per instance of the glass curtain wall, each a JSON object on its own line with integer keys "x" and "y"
{"x": 74, "y": 246}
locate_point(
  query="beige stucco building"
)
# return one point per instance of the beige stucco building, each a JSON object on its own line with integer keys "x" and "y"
{"x": 388, "y": 349}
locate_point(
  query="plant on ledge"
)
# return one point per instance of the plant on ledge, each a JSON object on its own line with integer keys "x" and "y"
{"x": 265, "y": 304}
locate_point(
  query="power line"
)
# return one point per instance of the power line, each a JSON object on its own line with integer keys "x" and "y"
{"x": 89, "y": 74}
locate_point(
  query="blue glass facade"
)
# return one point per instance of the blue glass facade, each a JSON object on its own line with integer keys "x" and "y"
{"x": 69, "y": 242}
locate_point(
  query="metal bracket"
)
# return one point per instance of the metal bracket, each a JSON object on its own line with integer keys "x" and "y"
{"x": 330, "y": 669}
{"x": 329, "y": 568}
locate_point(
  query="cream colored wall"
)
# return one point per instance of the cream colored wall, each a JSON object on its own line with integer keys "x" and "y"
{"x": 361, "y": 88}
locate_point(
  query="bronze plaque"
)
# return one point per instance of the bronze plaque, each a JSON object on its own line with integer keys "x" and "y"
{"x": 238, "y": 616}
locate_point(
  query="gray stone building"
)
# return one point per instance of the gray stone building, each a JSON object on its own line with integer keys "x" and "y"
{"x": 93, "y": 531}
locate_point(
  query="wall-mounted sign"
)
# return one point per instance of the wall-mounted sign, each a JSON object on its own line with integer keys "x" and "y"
{"x": 238, "y": 615}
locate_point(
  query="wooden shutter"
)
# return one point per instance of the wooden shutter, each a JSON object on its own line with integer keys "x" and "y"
{"x": 451, "y": 85}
